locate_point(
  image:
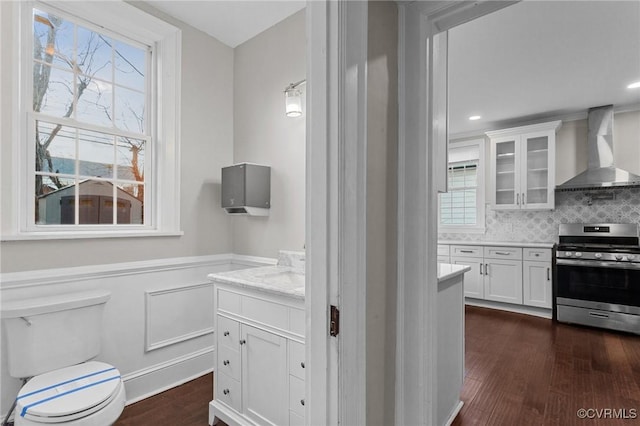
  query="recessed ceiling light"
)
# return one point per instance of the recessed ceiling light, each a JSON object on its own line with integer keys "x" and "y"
{"x": 475, "y": 117}
{"x": 635, "y": 85}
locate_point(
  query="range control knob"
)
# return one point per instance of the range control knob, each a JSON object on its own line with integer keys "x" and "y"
{"x": 618, "y": 257}
{"x": 598, "y": 255}
{"x": 630, "y": 257}
{"x": 568, "y": 254}
{"x": 578, "y": 254}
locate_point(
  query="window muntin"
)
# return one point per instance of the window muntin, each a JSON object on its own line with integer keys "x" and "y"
{"x": 89, "y": 120}
{"x": 458, "y": 206}
{"x": 461, "y": 208}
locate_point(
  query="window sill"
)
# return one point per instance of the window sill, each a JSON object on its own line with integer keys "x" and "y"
{"x": 32, "y": 236}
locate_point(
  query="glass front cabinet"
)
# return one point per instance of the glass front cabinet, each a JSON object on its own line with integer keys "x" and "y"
{"x": 523, "y": 167}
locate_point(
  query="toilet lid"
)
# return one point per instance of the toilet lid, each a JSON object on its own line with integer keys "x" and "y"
{"x": 68, "y": 393}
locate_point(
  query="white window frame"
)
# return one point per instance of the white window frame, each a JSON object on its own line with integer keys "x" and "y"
{"x": 479, "y": 227}
{"x": 162, "y": 213}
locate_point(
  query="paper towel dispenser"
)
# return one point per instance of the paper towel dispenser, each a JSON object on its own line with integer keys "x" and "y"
{"x": 246, "y": 189}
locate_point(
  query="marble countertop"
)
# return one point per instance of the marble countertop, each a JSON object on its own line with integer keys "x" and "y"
{"x": 281, "y": 280}
{"x": 497, "y": 243}
{"x": 447, "y": 271}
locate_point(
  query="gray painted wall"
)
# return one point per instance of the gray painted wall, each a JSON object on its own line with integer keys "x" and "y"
{"x": 206, "y": 146}
{"x": 263, "y": 67}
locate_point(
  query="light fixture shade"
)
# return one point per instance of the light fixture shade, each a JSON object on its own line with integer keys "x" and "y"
{"x": 293, "y": 102}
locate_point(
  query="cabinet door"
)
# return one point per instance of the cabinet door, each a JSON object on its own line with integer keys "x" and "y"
{"x": 503, "y": 280}
{"x": 538, "y": 170}
{"x": 537, "y": 284}
{"x": 505, "y": 169}
{"x": 264, "y": 376}
{"x": 473, "y": 282}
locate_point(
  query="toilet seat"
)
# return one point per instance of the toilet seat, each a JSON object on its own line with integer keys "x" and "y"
{"x": 70, "y": 393}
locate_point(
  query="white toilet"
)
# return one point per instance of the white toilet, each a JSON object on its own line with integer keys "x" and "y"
{"x": 51, "y": 339}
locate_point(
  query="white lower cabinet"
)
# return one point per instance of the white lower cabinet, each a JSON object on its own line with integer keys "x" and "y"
{"x": 260, "y": 368}
{"x": 443, "y": 253}
{"x": 536, "y": 270}
{"x": 506, "y": 274}
{"x": 503, "y": 280}
{"x": 474, "y": 279}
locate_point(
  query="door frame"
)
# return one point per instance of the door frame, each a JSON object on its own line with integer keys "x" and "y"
{"x": 335, "y": 211}
{"x": 421, "y": 153}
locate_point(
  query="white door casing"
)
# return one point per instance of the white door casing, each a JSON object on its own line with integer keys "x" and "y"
{"x": 335, "y": 211}
{"x": 420, "y": 120}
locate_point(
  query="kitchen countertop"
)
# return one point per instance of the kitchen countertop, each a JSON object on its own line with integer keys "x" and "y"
{"x": 497, "y": 243}
{"x": 447, "y": 271}
{"x": 281, "y": 280}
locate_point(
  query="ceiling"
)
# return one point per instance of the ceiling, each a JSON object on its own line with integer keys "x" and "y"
{"x": 526, "y": 63}
{"x": 543, "y": 59}
{"x": 230, "y": 21}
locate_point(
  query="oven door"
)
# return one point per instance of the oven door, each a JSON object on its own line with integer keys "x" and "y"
{"x": 615, "y": 284}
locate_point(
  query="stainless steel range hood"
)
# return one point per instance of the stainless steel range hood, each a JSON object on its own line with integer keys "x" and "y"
{"x": 601, "y": 171}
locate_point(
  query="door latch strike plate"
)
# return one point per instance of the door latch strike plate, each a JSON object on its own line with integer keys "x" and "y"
{"x": 334, "y": 324}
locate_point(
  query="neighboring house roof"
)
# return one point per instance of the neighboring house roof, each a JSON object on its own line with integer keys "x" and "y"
{"x": 83, "y": 182}
{"x": 67, "y": 166}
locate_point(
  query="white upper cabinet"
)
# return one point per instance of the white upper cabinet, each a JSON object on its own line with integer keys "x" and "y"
{"x": 523, "y": 167}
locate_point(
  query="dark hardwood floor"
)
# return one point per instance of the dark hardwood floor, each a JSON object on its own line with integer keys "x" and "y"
{"x": 523, "y": 370}
{"x": 185, "y": 405}
{"x": 520, "y": 370}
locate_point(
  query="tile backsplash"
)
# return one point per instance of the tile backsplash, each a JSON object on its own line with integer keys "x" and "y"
{"x": 571, "y": 207}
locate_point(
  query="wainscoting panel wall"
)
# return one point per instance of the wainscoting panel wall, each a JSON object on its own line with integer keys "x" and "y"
{"x": 178, "y": 314}
{"x": 158, "y": 323}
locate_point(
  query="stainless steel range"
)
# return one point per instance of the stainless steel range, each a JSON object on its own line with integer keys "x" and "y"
{"x": 597, "y": 276}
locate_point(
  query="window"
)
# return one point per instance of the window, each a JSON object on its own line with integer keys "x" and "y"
{"x": 89, "y": 117}
{"x": 98, "y": 122}
{"x": 462, "y": 206}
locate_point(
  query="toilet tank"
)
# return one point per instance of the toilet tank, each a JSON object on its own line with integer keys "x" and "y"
{"x": 47, "y": 333}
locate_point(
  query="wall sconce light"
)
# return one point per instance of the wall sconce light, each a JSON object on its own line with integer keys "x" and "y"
{"x": 293, "y": 99}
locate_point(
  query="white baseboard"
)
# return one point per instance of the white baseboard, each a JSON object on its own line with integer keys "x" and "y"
{"x": 158, "y": 378}
{"x": 519, "y": 309}
{"x": 454, "y": 413}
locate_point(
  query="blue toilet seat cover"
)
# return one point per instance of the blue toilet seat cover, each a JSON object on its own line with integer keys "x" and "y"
{"x": 68, "y": 391}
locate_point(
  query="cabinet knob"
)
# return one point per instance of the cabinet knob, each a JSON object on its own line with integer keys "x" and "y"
{"x": 302, "y": 402}
{"x": 302, "y": 364}
{"x": 226, "y": 333}
{"x": 225, "y": 362}
{"x": 226, "y": 391}
{"x": 243, "y": 341}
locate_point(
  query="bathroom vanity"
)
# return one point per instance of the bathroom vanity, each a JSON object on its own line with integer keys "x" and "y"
{"x": 260, "y": 355}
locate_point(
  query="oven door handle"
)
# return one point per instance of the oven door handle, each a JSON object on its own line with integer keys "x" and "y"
{"x": 598, "y": 264}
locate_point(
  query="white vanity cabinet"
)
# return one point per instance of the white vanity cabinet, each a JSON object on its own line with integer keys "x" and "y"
{"x": 536, "y": 274}
{"x": 259, "y": 369}
{"x": 522, "y": 164}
